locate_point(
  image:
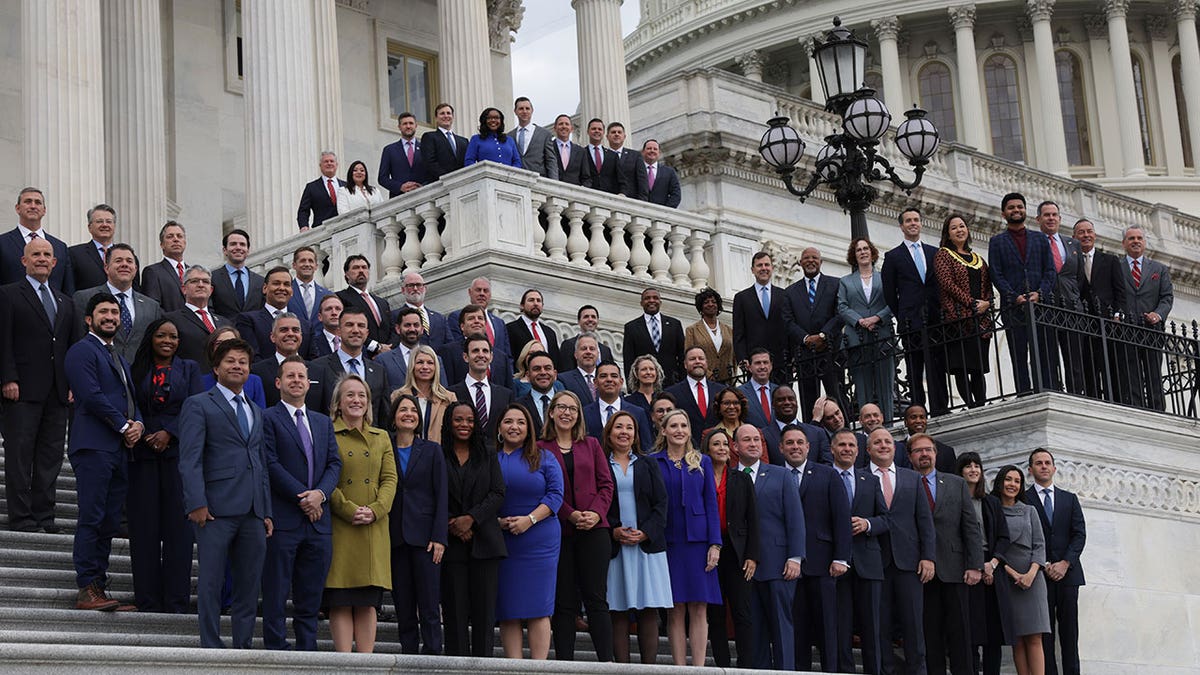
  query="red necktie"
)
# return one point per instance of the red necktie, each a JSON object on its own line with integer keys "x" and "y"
{"x": 1058, "y": 261}
{"x": 536, "y": 336}
{"x": 208, "y": 324}
{"x": 928, "y": 492}
{"x": 700, "y": 402}
{"x": 487, "y": 326}
{"x": 179, "y": 266}
{"x": 596, "y": 151}
{"x": 332, "y": 192}
{"x": 1137, "y": 274}
{"x": 762, "y": 398}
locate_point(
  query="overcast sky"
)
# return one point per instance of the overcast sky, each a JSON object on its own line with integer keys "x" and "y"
{"x": 544, "y": 57}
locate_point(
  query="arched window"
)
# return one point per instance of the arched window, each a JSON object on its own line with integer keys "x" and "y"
{"x": 1139, "y": 93}
{"x": 937, "y": 97}
{"x": 1004, "y": 107}
{"x": 1074, "y": 108}
{"x": 1181, "y": 106}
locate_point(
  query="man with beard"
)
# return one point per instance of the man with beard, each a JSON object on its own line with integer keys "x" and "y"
{"x": 526, "y": 327}
{"x": 379, "y": 315}
{"x": 410, "y": 332}
{"x": 694, "y": 394}
{"x": 433, "y": 324}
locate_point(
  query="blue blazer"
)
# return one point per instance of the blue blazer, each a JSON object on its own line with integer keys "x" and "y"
{"x": 419, "y": 511}
{"x": 780, "y": 521}
{"x": 438, "y": 333}
{"x": 754, "y": 411}
{"x": 1066, "y": 536}
{"x": 818, "y": 443}
{"x": 645, "y": 430}
{"x": 492, "y": 150}
{"x": 184, "y": 382}
{"x": 253, "y": 389}
{"x": 912, "y": 301}
{"x": 573, "y": 381}
{"x": 255, "y": 328}
{"x": 1013, "y": 276}
{"x": 666, "y": 189}
{"x": 213, "y": 455}
{"x": 100, "y": 404}
{"x": 867, "y": 557}
{"x": 288, "y": 469}
{"x": 910, "y": 537}
{"x": 397, "y": 368}
{"x": 296, "y": 304}
{"x": 394, "y": 169}
{"x": 12, "y": 248}
{"x": 698, "y": 506}
{"x": 826, "y": 519}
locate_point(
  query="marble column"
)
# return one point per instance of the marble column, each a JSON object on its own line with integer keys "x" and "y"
{"x": 504, "y": 19}
{"x": 63, "y": 90}
{"x": 752, "y": 63}
{"x": 970, "y": 97}
{"x": 815, "y": 89}
{"x": 1108, "y": 153}
{"x": 329, "y": 79}
{"x": 281, "y": 135}
{"x": 603, "y": 88}
{"x": 887, "y": 31}
{"x": 1189, "y": 67}
{"x": 465, "y": 65}
{"x": 1053, "y": 154}
{"x": 1158, "y": 31}
{"x": 1132, "y": 161}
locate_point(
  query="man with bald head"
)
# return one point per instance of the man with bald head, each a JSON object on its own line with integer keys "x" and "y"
{"x": 37, "y": 325}
{"x": 815, "y": 329}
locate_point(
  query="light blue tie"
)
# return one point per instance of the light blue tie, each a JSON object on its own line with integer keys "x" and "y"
{"x": 766, "y": 301}
{"x": 849, "y": 486}
{"x": 521, "y": 139}
{"x": 242, "y": 418}
{"x": 919, "y": 259}
{"x": 1048, "y": 504}
{"x": 450, "y": 137}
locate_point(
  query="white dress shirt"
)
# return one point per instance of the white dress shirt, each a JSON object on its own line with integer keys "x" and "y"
{"x": 228, "y": 394}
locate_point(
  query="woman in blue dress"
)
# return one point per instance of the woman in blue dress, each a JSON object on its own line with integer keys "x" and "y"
{"x": 533, "y": 493}
{"x": 491, "y": 143}
{"x": 693, "y": 537}
{"x": 638, "y": 577}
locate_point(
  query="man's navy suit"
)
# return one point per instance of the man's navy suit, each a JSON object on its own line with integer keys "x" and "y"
{"x": 665, "y": 190}
{"x": 267, "y": 370}
{"x": 1065, "y": 539}
{"x": 804, "y": 318}
{"x": 225, "y": 301}
{"x": 753, "y": 329}
{"x": 160, "y": 281}
{"x": 315, "y": 202}
{"x": 437, "y": 155}
{"x": 608, "y": 177}
{"x": 418, "y": 517}
{"x": 781, "y": 536}
{"x": 145, "y": 312}
{"x": 308, "y": 320}
{"x": 1014, "y": 275}
{"x": 646, "y": 431}
{"x": 225, "y": 470}
{"x": 439, "y": 332}
{"x": 86, "y": 265}
{"x": 456, "y": 368}
{"x": 255, "y": 328}
{"x": 380, "y": 331}
{"x": 327, "y": 370}
{"x": 818, "y": 442}
{"x": 685, "y": 399}
{"x": 828, "y": 538}
{"x": 394, "y": 169}
{"x": 910, "y": 539}
{"x": 575, "y": 382}
{"x": 300, "y": 550}
{"x": 860, "y": 589}
{"x": 915, "y": 304}
{"x": 104, "y": 404}
{"x": 12, "y": 249}
{"x": 634, "y": 170}
{"x": 193, "y": 335}
{"x": 566, "y": 354}
{"x": 754, "y": 410}
{"x": 501, "y": 397}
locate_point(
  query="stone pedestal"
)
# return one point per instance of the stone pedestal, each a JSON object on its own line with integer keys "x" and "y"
{"x": 1053, "y": 154}
{"x": 974, "y": 132}
{"x": 464, "y": 68}
{"x": 329, "y": 80}
{"x": 1133, "y": 162}
{"x": 603, "y": 89}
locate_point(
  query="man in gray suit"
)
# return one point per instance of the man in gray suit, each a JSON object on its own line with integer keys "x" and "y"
{"x": 535, "y": 143}
{"x": 958, "y": 561}
{"x": 1149, "y": 298}
{"x": 137, "y": 311}
{"x": 1068, "y": 264}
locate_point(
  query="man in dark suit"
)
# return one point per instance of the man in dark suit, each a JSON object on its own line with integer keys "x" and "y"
{"x": 87, "y": 259}
{"x": 1066, "y": 534}
{"x": 695, "y": 393}
{"x": 786, "y": 406}
{"x": 442, "y": 150}
{"x": 656, "y": 334}
{"x": 318, "y": 201}
{"x": 662, "y": 183}
{"x": 476, "y": 388}
{"x": 286, "y": 339}
{"x": 1068, "y": 268}
{"x": 470, "y": 320}
{"x": 588, "y": 319}
{"x": 31, "y": 208}
{"x": 401, "y": 168}
{"x": 352, "y": 358}
{"x": 908, "y": 549}
{"x": 303, "y": 465}
{"x": 194, "y": 321}
{"x": 1022, "y": 269}
{"x": 609, "y": 402}
{"x": 163, "y": 280}
{"x": 434, "y": 331}
{"x": 137, "y": 310}
{"x": 633, "y": 169}
{"x": 527, "y": 327}
{"x": 1102, "y": 293}
{"x": 106, "y": 424}
{"x": 781, "y": 553}
{"x": 759, "y": 388}
{"x": 911, "y": 290}
{"x": 395, "y": 362}
{"x": 959, "y": 561}
{"x": 235, "y": 288}
{"x": 255, "y": 326}
{"x": 758, "y": 318}
{"x": 916, "y": 421}
{"x": 37, "y": 325}
{"x": 357, "y": 270}
{"x": 827, "y": 550}
{"x": 480, "y": 293}
{"x": 569, "y": 164}
{"x": 542, "y": 377}
{"x": 306, "y": 292}
{"x": 325, "y": 339}
{"x": 581, "y": 380}
{"x": 814, "y": 330}
{"x": 604, "y": 164}
{"x": 1149, "y": 297}
{"x": 534, "y": 142}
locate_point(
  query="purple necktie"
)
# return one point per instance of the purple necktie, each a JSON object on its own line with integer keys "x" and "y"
{"x": 307, "y": 443}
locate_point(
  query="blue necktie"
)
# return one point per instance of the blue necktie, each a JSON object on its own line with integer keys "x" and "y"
{"x": 846, "y": 481}
{"x": 243, "y": 419}
{"x": 812, "y": 291}
{"x": 521, "y": 139}
{"x": 306, "y": 442}
{"x": 655, "y": 336}
{"x": 239, "y": 289}
{"x": 126, "y": 317}
{"x": 919, "y": 259}
{"x": 353, "y": 363}
{"x": 1048, "y": 505}
{"x": 766, "y": 301}
{"x": 48, "y": 303}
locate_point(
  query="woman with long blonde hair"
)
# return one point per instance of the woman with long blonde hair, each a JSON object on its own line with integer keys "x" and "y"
{"x": 424, "y": 381}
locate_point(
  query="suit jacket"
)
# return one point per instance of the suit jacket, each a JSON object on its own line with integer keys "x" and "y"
{"x": 566, "y": 354}
{"x": 438, "y": 157}
{"x": 666, "y": 190}
{"x": 818, "y": 442}
{"x": 578, "y": 170}
{"x": 1067, "y": 280}
{"x": 633, "y": 170}
{"x": 296, "y": 305}
{"x": 213, "y": 457}
{"x": 456, "y": 367}
{"x": 1066, "y": 536}
{"x": 1013, "y": 276}
{"x": 318, "y": 344}
{"x": 381, "y": 333}
{"x": 608, "y": 177}
{"x": 573, "y": 381}
{"x": 532, "y": 403}
{"x": 650, "y": 503}
{"x": 804, "y": 318}
{"x": 1155, "y": 294}
{"x": 438, "y": 333}
{"x": 288, "y": 468}
{"x": 780, "y": 521}
{"x": 867, "y": 556}
{"x": 853, "y": 305}
{"x": 160, "y": 281}
{"x": 193, "y": 335}
{"x": 913, "y": 302}
{"x": 519, "y": 336}
{"x": 12, "y": 249}
{"x": 184, "y": 381}
{"x": 721, "y": 365}
{"x": 419, "y": 512}
{"x": 697, "y": 505}
{"x": 476, "y": 489}
{"x": 911, "y": 536}
{"x": 754, "y": 410}
{"x": 669, "y": 354}
{"x": 826, "y": 519}
{"x": 315, "y": 201}
{"x": 959, "y": 537}
{"x": 328, "y": 369}
{"x": 685, "y": 397}
{"x": 591, "y": 488}
{"x": 267, "y": 370}
{"x": 539, "y": 153}
{"x": 645, "y": 430}
{"x": 224, "y": 300}
{"x": 145, "y": 312}
{"x": 394, "y": 169}
{"x": 1105, "y": 293}
{"x": 499, "y": 329}
{"x": 86, "y": 265}
{"x": 102, "y": 404}
{"x": 255, "y": 328}
{"x": 33, "y": 352}
{"x": 752, "y": 329}
{"x": 741, "y": 515}
{"x": 995, "y": 529}
{"x": 501, "y": 397}
{"x": 946, "y": 462}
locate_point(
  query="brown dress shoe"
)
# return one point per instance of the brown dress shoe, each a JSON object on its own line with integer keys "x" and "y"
{"x": 92, "y": 597}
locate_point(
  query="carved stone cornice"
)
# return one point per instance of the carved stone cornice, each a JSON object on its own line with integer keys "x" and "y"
{"x": 504, "y": 19}
{"x": 1096, "y": 25}
{"x": 808, "y": 44}
{"x": 1039, "y": 10}
{"x": 962, "y": 17}
{"x": 1024, "y": 28}
{"x": 1184, "y": 9}
{"x": 887, "y": 28}
{"x": 1133, "y": 488}
{"x": 356, "y": 5}
{"x": 1116, "y": 8}
{"x": 1158, "y": 26}
{"x": 752, "y": 63}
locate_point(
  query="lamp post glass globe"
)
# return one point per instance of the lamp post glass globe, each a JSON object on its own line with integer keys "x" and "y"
{"x": 916, "y": 137}
{"x": 867, "y": 119}
{"x": 841, "y": 61}
{"x": 829, "y": 162}
{"x": 781, "y": 147}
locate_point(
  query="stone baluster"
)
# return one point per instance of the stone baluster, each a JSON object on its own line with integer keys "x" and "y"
{"x": 598, "y": 247}
{"x": 539, "y": 235}
{"x": 390, "y": 260}
{"x": 639, "y": 256}
{"x": 699, "y": 266}
{"x": 679, "y": 262}
{"x": 411, "y": 250}
{"x": 577, "y": 242}
{"x": 556, "y": 238}
{"x": 619, "y": 253}
{"x": 431, "y": 243}
{"x": 660, "y": 262}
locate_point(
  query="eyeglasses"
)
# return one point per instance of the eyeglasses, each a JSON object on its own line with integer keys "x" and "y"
{"x": 562, "y": 407}
{"x": 414, "y": 285}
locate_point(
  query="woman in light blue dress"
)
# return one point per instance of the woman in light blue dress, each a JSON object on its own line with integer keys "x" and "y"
{"x": 638, "y": 577}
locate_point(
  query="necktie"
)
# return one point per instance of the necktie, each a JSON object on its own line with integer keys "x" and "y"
{"x": 1048, "y": 504}
{"x": 208, "y": 324}
{"x": 765, "y": 296}
{"x": 764, "y": 401}
{"x": 371, "y": 304}
{"x": 450, "y": 137}
{"x": 564, "y": 153}
{"x": 353, "y": 363}
{"x": 521, "y": 139}
{"x": 886, "y": 478}
{"x": 596, "y": 155}
{"x": 33, "y": 235}
{"x": 655, "y": 335}
{"x": 242, "y": 418}
{"x": 1058, "y": 259}
{"x": 126, "y": 317}
{"x": 1087, "y": 265}
{"x": 848, "y": 483}
{"x": 307, "y": 293}
{"x": 491, "y": 332}
{"x": 700, "y": 400}
{"x": 928, "y": 492}
{"x": 591, "y": 382}
{"x": 179, "y": 266}
{"x": 332, "y": 191}
{"x": 1137, "y": 274}
{"x": 749, "y": 472}
{"x": 239, "y": 289}
{"x": 481, "y": 411}
{"x": 306, "y": 442}
{"x": 130, "y": 410}
{"x": 424, "y": 321}
{"x": 608, "y": 413}
{"x": 812, "y": 291}
{"x": 919, "y": 259}
{"x": 796, "y": 475}
{"x": 545, "y": 406}
{"x": 650, "y": 176}
{"x": 408, "y": 152}
{"x": 48, "y": 302}
{"x": 103, "y": 254}
{"x": 337, "y": 343}
{"x": 536, "y": 336}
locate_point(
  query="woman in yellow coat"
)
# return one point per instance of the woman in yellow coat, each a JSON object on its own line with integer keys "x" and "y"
{"x": 361, "y": 568}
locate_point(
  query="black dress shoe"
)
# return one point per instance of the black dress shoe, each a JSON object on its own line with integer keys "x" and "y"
{"x": 23, "y": 528}
{"x": 51, "y": 528}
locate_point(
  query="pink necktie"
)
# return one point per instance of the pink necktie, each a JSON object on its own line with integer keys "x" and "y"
{"x": 564, "y": 151}
{"x": 409, "y": 151}
{"x": 886, "y": 477}
{"x": 371, "y": 303}
{"x": 650, "y": 176}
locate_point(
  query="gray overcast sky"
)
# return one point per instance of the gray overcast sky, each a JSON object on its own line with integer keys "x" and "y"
{"x": 544, "y": 57}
